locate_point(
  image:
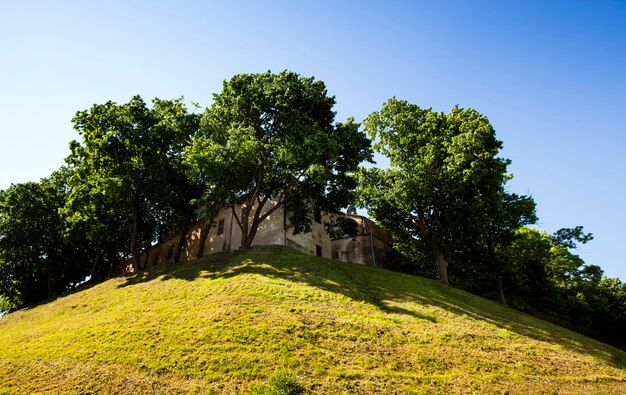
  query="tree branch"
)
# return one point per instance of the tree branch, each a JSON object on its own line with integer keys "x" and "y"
{"x": 236, "y": 217}
{"x": 269, "y": 212}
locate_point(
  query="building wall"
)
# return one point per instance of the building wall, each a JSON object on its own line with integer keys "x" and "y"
{"x": 271, "y": 230}
{"x": 369, "y": 247}
{"x": 309, "y": 242}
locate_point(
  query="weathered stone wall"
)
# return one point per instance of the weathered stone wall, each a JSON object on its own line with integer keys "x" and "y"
{"x": 309, "y": 242}
{"x": 370, "y": 246}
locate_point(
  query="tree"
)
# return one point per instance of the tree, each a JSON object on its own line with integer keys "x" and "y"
{"x": 489, "y": 237}
{"x": 23, "y": 270}
{"x": 528, "y": 258}
{"x": 269, "y": 142}
{"x": 547, "y": 278}
{"x": 443, "y": 169}
{"x": 90, "y": 216}
{"x": 128, "y": 167}
{"x": 180, "y": 191}
{"x": 36, "y": 260}
{"x": 205, "y": 166}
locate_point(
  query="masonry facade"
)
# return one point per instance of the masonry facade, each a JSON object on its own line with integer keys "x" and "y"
{"x": 371, "y": 245}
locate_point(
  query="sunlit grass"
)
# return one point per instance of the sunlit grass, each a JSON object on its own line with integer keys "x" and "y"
{"x": 227, "y": 323}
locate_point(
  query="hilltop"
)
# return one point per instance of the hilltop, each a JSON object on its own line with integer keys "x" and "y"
{"x": 227, "y": 322}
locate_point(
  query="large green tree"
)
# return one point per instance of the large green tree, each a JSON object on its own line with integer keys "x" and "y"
{"x": 37, "y": 260}
{"x": 90, "y": 216}
{"x": 269, "y": 141}
{"x": 444, "y": 171}
{"x": 128, "y": 169}
{"x": 180, "y": 190}
{"x": 482, "y": 246}
{"x": 547, "y": 278}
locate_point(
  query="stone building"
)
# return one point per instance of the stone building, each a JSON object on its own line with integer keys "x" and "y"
{"x": 371, "y": 245}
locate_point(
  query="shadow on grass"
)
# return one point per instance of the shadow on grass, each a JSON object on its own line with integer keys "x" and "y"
{"x": 83, "y": 287}
{"x": 284, "y": 263}
{"x": 376, "y": 287}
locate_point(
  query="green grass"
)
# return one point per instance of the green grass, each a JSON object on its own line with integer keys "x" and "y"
{"x": 229, "y": 322}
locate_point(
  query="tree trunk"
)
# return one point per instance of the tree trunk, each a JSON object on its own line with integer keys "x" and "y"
{"x": 247, "y": 242}
{"x": 28, "y": 297}
{"x": 245, "y": 239}
{"x": 249, "y": 231}
{"x": 50, "y": 284}
{"x": 146, "y": 260}
{"x": 116, "y": 265}
{"x": 183, "y": 236}
{"x": 96, "y": 263}
{"x": 501, "y": 292}
{"x": 204, "y": 234}
{"x": 181, "y": 244}
{"x": 133, "y": 242}
{"x": 442, "y": 263}
{"x": 246, "y": 209}
{"x": 495, "y": 269}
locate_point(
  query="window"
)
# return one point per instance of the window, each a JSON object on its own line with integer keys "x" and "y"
{"x": 318, "y": 250}
{"x": 170, "y": 252}
{"x": 317, "y": 215}
{"x": 220, "y": 227}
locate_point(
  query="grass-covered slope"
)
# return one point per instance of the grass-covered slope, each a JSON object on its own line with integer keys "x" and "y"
{"x": 227, "y": 322}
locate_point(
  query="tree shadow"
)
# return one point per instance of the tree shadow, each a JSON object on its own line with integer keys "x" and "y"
{"x": 378, "y": 288}
{"x": 284, "y": 263}
{"x": 474, "y": 307}
{"x": 183, "y": 270}
{"x": 80, "y": 288}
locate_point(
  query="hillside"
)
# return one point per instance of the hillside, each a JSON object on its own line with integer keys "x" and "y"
{"x": 227, "y": 322}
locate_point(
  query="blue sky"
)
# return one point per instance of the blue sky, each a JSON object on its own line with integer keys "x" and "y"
{"x": 550, "y": 76}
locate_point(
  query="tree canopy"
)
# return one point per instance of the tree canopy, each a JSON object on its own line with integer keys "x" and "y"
{"x": 444, "y": 172}
{"x": 37, "y": 260}
{"x": 129, "y": 164}
{"x": 270, "y": 141}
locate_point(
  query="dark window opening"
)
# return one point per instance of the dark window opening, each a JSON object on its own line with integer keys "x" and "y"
{"x": 220, "y": 227}
{"x": 170, "y": 252}
{"x": 318, "y": 250}
{"x": 335, "y": 254}
{"x": 317, "y": 215}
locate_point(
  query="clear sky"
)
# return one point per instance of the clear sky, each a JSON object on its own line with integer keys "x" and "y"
{"x": 550, "y": 75}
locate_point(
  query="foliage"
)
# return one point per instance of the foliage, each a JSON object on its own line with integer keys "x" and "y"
{"x": 270, "y": 142}
{"x": 482, "y": 246}
{"x": 568, "y": 237}
{"x": 36, "y": 260}
{"x": 128, "y": 170}
{"x": 547, "y": 278}
{"x": 230, "y": 320}
{"x": 271, "y": 138}
{"x": 444, "y": 171}
{"x": 444, "y": 198}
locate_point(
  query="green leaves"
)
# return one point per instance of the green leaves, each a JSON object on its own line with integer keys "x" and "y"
{"x": 37, "y": 259}
{"x": 271, "y": 137}
{"x": 443, "y": 169}
{"x": 129, "y": 170}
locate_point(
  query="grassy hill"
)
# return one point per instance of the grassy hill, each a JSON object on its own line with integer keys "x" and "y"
{"x": 226, "y": 323}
